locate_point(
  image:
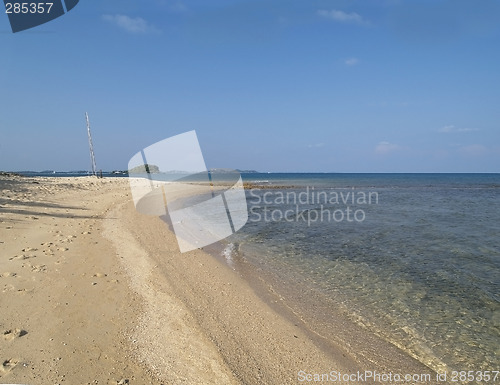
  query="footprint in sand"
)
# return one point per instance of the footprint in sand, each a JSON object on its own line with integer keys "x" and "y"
{"x": 22, "y": 257}
{"x": 13, "y": 333}
{"x": 8, "y": 365}
{"x": 48, "y": 251}
{"x": 39, "y": 268}
{"x": 7, "y": 287}
{"x": 7, "y": 274}
{"x": 35, "y": 268}
{"x": 68, "y": 239}
{"x": 27, "y": 249}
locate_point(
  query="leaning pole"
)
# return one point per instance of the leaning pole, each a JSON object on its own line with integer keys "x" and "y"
{"x": 91, "y": 146}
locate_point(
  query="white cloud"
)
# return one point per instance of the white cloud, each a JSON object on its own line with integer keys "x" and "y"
{"x": 385, "y": 148}
{"x": 451, "y": 128}
{"x": 473, "y": 149}
{"x": 447, "y": 129}
{"x": 341, "y": 16}
{"x": 129, "y": 24}
{"x": 317, "y": 145}
{"x": 351, "y": 61}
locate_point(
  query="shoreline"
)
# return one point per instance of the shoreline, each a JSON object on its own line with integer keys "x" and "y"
{"x": 377, "y": 354}
{"x": 311, "y": 310}
{"x": 181, "y": 318}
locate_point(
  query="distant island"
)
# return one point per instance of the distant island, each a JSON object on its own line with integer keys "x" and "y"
{"x": 229, "y": 170}
{"x": 145, "y": 168}
{"x": 153, "y": 169}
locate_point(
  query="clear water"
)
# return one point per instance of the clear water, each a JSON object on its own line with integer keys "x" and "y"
{"x": 422, "y": 269}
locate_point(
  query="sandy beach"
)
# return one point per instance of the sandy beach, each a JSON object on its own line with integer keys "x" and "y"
{"x": 93, "y": 292}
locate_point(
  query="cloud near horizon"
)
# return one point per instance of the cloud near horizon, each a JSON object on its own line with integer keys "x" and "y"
{"x": 451, "y": 128}
{"x": 384, "y": 148}
{"x": 341, "y": 16}
{"x": 129, "y": 24}
{"x": 317, "y": 145}
{"x": 473, "y": 149}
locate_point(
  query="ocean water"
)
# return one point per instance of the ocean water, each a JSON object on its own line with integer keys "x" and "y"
{"x": 413, "y": 258}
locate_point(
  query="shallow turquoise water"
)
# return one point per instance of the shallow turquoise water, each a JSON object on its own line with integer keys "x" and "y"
{"x": 422, "y": 269}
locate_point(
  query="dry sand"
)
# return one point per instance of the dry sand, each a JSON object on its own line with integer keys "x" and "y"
{"x": 93, "y": 292}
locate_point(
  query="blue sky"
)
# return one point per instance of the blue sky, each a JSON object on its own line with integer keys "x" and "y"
{"x": 307, "y": 86}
